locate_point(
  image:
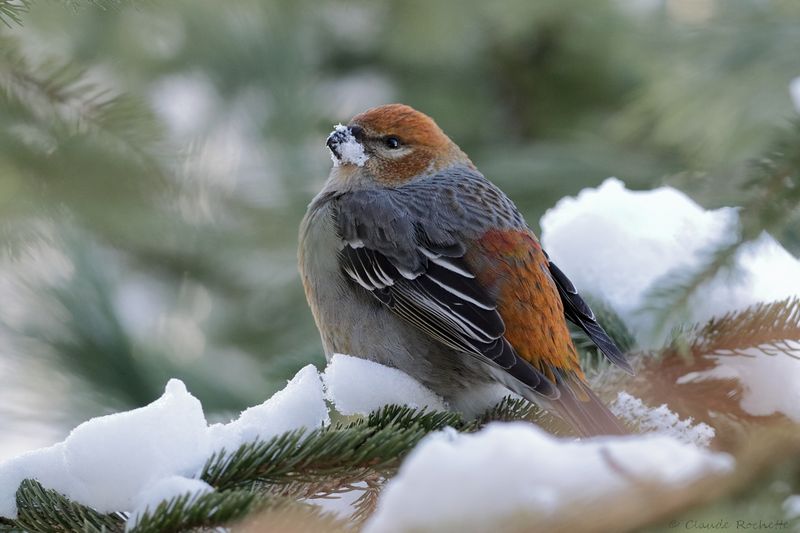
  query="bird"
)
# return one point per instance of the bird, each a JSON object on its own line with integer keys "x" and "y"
{"x": 411, "y": 258}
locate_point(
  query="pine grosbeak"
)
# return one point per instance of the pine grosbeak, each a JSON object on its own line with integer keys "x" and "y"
{"x": 411, "y": 258}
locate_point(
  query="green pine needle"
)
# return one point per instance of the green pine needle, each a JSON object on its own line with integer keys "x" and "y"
{"x": 770, "y": 327}
{"x": 301, "y": 455}
{"x": 43, "y": 510}
{"x": 205, "y": 511}
{"x": 63, "y": 100}
{"x": 398, "y": 415}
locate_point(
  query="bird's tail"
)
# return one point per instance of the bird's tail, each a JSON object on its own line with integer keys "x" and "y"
{"x": 584, "y": 411}
{"x": 569, "y": 397}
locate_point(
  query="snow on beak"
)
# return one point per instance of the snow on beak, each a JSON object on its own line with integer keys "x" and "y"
{"x": 345, "y": 147}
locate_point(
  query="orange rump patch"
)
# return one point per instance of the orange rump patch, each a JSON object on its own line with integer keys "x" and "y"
{"x": 513, "y": 267}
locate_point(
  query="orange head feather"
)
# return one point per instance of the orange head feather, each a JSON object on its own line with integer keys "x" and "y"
{"x": 403, "y": 143}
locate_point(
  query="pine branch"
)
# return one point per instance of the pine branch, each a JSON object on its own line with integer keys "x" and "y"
{"x": 377, "y": 442}
{"x": 46, "y": 511}
{"x": 772, "y": 328}
{"x": 9, "y": 526}
{"x": 272, "y": 475}
{"x": 509, "y": 408}
{"x": 321, "y": 488}
{"x": 366, "y": 503}
{"x": 205, "y": 511}
{"x": 11, "y": 11}
{"x": 400, "y": 415}
{"x": 63, "y": 99}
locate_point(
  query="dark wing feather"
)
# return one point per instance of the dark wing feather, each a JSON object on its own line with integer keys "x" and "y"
{"x": 439, "y": 300}
{"x": 446, "y": 302}
{"x": 579, "y": 313}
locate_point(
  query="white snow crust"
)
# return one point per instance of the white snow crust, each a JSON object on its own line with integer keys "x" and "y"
{"x": 661, "y": 420}
{"x": 112, "y": 463}
{"x": 467, "y": 482}
{"x": 358, "y": 386}
{"x": 300, "y": 404}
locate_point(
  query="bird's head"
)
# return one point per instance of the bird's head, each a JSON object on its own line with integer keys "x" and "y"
{"x": 392, "y": 144}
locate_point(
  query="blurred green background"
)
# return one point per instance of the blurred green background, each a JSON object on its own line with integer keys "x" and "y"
{"x": 156, "y": 159}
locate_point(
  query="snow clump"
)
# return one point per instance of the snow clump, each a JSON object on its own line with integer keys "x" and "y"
{"x": 467, "y": 482}
{"x": 359, "y": 386}
{"x": 661, "y": 421}
{"x": 618, "y": 244}
{"x": 111, "y": 463}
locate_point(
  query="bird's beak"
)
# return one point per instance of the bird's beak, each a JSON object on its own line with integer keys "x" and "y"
{"x": 344, "y": 142}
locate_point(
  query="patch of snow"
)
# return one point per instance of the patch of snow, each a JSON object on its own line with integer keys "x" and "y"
{"x": 46, "y": 465}
{"x": 108, "y": 460}
{"x": 794, "y": 91}
{"x": 468, "y": 482}
{"x": 359, "y": 386}
{"x": 163, "y": 490}
{"x": 300, "y": 404}
{"x": 791, "y": 506}
{"x": 128, "y": 461}
{"x": 661, "y": 420}
{"x": 770, "y": 383}
{"x": 117, "y": 462}
{"x": 350, "y": 150}
{"x": 634, "y": 238}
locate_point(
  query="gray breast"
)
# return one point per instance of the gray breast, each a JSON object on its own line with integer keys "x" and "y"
{"x": 353, "y": 322}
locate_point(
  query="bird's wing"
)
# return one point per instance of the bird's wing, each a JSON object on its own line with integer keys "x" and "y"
{"x": 419, "y": 270}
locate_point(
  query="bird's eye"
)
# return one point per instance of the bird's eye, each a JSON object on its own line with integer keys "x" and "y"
{"x": 392, "y": 142}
